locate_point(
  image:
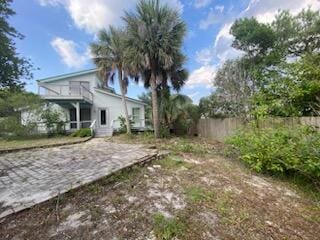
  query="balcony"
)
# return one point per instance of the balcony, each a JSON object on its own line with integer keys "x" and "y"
{"x": 68, "y": 92}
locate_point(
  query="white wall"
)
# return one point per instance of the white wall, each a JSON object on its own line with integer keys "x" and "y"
{"x": 28, "y": 116}
{"x": 114, "y": 106}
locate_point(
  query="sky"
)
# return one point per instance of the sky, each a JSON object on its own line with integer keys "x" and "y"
{"x": 58, "y": 33}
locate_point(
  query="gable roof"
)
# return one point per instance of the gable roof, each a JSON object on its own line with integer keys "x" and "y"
{"x": 68, "y": 75}
{"x": 101, "y": 90}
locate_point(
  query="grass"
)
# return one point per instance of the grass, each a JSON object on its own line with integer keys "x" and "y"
{"x": 173, "y": 162}
{"x": 168, "y": 228}
{"x": 38, "y": 142}
{"x": 177, "y": 145}
{"x": 198, "y": 194}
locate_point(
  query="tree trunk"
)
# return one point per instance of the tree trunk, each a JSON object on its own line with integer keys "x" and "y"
{"x": 155, "y": 107}
{"x": 124, "y": 102}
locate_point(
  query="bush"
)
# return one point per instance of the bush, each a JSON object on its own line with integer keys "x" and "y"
{"x": 11, "y": 127}
{"x": 83, "y": 132}
{"x": 52, "y": 120}
{"x": 279, "y": 150}
{"x": 123, "y": 125}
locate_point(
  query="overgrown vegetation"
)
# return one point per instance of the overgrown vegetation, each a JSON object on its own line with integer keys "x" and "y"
{"x": 83, "y": 132}
{"x": 168, "y": 228}
{"x": 280, "y": 150}
{"x": 198, "y": 194}
{"x": 278, "y": 73}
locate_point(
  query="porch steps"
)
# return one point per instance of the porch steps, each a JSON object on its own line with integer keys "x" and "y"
{"x": 103, "y": 132}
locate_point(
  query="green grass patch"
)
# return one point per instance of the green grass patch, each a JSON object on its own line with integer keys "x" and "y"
{"x": 168, "y": 228}
{"x": 184, "y": 145}
{"x": 172, "y": 162}
{"x": 198, "y": 194}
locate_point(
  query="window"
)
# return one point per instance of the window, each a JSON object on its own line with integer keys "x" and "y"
{"x": 136, "y": 114}
{"x": 103, "y": 118}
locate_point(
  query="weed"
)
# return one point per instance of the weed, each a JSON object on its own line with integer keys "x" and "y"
{"x": 197, "y": 194}
{"x": 187, "y": 146}
{"x": 96, "y": 213}
{"x": 168, "y": 228}
{"x": 173, "y": 162}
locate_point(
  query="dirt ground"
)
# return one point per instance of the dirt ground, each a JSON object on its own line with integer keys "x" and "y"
{"x": 193, "y": 193}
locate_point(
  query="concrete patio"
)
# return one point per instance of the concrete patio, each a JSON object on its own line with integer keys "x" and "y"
{"x": 34, "y": 176}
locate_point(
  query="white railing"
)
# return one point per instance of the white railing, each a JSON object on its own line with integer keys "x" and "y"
{"x": 93, "y": 127}
{"x": 52, "y": 90}
{"x": 144, "y": 124}
{"x": 83, "y": 124}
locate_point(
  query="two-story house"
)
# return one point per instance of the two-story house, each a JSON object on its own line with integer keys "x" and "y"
{"x": 86, "y": 102}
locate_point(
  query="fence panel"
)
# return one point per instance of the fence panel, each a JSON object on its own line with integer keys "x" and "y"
{"x": 219, "y": 129}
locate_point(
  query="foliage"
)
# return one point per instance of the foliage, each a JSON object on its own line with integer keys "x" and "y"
{"x": 186, "y": 146}
{"x": 11, "y": 128}
{"x": 52, "y": 121}
{"x": 13, "y": 66}
{"x": 168, "y": 228}
{"x": 277, "y": 73}
{"x": 123, "y": 125}
{"x": 12, "y": 103}
{"x": 295, "y": 94}
{"x": 110, "y": 56}
{"x": 83, "y": 132}
{"x": 279, "y": 150}
{"x": 155, "y": 38}
{"x": 198, "y": 194}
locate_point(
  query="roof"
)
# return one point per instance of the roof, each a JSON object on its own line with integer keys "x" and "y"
{"x": 119, "y": 96}
{"x": 68, "y": 75}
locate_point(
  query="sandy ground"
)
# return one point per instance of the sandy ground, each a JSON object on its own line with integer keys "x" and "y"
{"x": 203, "y": 194}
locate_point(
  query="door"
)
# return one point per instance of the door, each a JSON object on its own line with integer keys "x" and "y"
{"x": 103, "y": 117}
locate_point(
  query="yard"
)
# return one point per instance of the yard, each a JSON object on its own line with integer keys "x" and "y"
{"x": 193, "y": 193}
{"x": 9, "y": 145}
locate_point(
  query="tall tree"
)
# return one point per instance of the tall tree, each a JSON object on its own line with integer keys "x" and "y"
{"x": 155, "y": 38}
{"x": 109, "y": 54}
{"x": 12, "y": 66}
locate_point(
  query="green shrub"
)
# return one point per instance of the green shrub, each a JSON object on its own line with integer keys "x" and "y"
{"x": 11, "y": 128}
{"x": 83, "y": 132}
{"x": 187, "y": 146}
{"x": 279, "y": 150}
{"x": 123, "y": 124}
{"x": 164, "y": 132}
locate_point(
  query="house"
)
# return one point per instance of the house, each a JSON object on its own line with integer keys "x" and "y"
{"x": 86, "y": 102}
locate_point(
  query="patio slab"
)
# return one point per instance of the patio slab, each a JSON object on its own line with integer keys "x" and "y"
{"x": 34, "y": 176}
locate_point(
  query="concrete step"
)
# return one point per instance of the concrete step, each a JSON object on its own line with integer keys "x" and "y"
{"x": 103, "y": 132}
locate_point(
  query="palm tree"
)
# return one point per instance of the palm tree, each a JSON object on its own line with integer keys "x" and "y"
{"x": 109, "y": 55}
{"x": 155, "y": 38}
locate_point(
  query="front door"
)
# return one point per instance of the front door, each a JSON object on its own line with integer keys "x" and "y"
{"x": 103, "y": 117}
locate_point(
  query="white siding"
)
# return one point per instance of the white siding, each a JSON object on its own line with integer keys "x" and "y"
{"x": 114, "y": 106}
{"x": 112, "y": 103}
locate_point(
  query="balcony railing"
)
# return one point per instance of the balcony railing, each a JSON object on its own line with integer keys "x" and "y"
{"x": 61, "y": 91}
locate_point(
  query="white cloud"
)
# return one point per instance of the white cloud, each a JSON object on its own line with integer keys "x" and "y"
{"x": 219, "y": 8}
{"x": 93, "y": 15}
{"x": 201, "y": 3}
{"x": 202, "y": 76}
{"x": 264, "y": 11}
{"x": 67, "y": 50}
{"x": 212, "y": 18}
{"x": 205, "y": 56}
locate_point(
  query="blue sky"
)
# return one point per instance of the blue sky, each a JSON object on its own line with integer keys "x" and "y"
{"x": 58, "y": 32}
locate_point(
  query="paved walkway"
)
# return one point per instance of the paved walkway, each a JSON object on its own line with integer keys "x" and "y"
{"x": 33, "y": 176}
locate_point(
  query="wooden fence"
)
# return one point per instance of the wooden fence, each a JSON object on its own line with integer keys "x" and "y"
{"x": 220, "y": 128}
